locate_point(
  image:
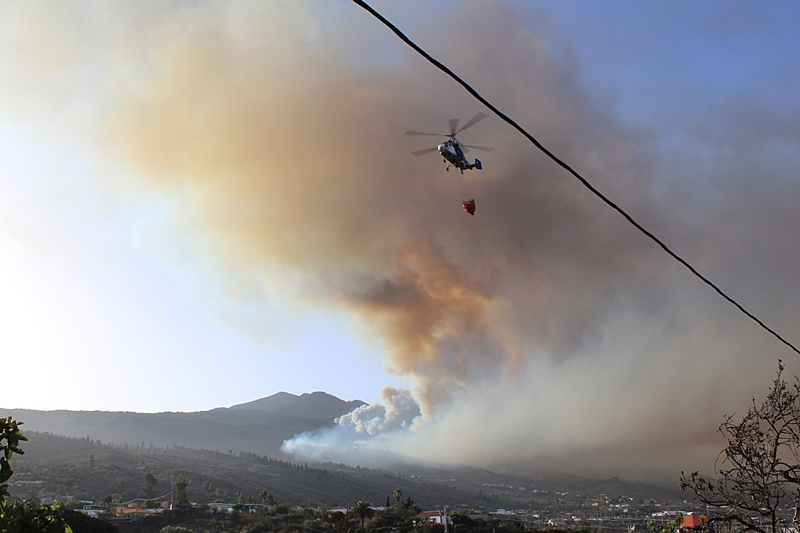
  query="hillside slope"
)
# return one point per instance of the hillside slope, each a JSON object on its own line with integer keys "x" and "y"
{"x": 84, "y": 469}
{"x": 260, "y": 426}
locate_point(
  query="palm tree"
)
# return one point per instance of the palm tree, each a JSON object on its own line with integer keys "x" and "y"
{"x": 363, "y": 511}
{"x": 397, "y": 495}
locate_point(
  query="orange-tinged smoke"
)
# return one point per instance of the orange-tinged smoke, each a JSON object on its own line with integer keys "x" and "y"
{"x": 277, "y": 129}
{"x": 425, "y": 306}
{"x": 295, "y": 168}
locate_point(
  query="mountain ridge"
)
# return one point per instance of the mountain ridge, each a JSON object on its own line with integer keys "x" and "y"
{"x": 260, "y": 426}
{"x": 319, "y": 403}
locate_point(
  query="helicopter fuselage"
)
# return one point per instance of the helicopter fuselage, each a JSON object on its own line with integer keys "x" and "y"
{"x": 453, "y": 155}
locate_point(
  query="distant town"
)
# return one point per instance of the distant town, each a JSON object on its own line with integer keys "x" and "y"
{"x": 201, "y": 481}
{"x": 548, "y": 510}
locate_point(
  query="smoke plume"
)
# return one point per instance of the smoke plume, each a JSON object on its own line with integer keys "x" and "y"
{"x": 545, "y": 330}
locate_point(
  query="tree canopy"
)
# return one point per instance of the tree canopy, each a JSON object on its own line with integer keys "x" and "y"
{"x": 23, "y": 516}
{"x": 362, "y": 510}
{"x": 181, "y": 499}
{"x": 10, "y": 437}
{"x": 758, "y": 471}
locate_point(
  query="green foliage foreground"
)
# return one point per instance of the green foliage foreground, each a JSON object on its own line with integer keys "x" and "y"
{"x": 10, "y": 437}
{"x": 33, "y": 518}
{"x": 175, "y": 529}
{"x": 22, "y": 517}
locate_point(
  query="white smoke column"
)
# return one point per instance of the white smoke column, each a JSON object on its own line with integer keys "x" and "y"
{"x": 365, "y": 436}
{"x": 397, "y": 410}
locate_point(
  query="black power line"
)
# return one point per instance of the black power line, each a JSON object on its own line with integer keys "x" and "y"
{"x": 569, "y": 169}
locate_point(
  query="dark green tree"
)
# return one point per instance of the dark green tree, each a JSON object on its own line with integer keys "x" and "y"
{"x": 462, "y": 520}
{"x": 22, "y": 516}
{"x": 267, "y": 498}
{"x": 148, "y": 488}
{"x": 181, "y": 498}
{"x": 362, "y": 511}
{"x": 409, "y": 508}
{"x": 32, "y": 518}
{"x": 10, "y": 437}
{"x": 282, "y": 508}
{"x": 150, "y": 503}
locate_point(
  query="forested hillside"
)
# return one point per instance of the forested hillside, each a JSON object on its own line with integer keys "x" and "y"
{"x": 259, "y": 427}
{"x": 86, "y": 469}
{"x": 233, "y": 454}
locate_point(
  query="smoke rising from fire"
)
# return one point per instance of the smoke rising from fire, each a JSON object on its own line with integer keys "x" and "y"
{"x": 544, "y": 329}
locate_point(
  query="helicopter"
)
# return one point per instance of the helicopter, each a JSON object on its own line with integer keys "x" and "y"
{"x": 451, "y": 150}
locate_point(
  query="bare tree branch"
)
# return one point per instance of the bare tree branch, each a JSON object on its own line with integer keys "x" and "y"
{"x": 758, "y": 472}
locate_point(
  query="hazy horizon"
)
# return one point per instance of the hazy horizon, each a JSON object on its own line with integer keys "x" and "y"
{"x": 217, "y": 407}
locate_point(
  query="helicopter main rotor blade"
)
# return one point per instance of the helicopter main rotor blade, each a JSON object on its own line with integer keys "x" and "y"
{"x": 412, "y": 132}
{"x": 453, "y": 125}
{"x": 483, "y": 148}
{"x": 471, "y": 122}
{"x": 423, "y": 152}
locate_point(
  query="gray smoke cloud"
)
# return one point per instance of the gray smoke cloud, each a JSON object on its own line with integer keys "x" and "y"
{"x": 367, "y": 435}
{"x": 543, "y": 331}
{"x": 397, "y": 410}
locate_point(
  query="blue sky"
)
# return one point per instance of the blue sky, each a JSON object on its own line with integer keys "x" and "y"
{"x": 663, "y": 55}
